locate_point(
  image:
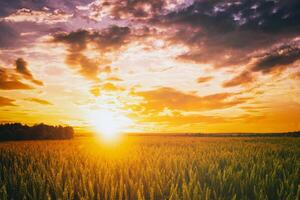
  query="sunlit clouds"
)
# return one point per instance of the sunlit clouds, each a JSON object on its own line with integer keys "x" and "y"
{"x": 40, "y": 16}
{"x": 151, "y": 66}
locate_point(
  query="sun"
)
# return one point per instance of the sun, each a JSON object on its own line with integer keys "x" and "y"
{"x": 108, "y": 124}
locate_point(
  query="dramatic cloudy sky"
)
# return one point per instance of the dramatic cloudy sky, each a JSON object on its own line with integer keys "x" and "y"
{"x": 154, "y": 65}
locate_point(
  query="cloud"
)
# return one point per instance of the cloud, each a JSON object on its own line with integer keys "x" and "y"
{"x": 107, "y": 86}
{"x": 21, "y": 68}
{"x": 87, "y": 67}
{"x": 9, "y": 82}
{"x": 123, "y": 9}
{"x": 38, "y": 16}
{"x": 14, "y": 85}
{"x": 245, "y": 77}
{"x": 95, "y": 90}
{"x": 277, "y": 58}
{"x": 274, "y": 59}
{"x": 10, "y": 78}
{"x": 107, "y": 40}
{"x": 41, "y": 17}
{"x": 224, "y": 16}
{"x": 161, "y": 98}
{"x": 221, "y": 33}
{"x": 111, "y": 87}
{"x": 295, "y": 76}
{"x": 177, "y": 119}
{"x": 8, "y": 36}
{"x": 40, "y": 101}
{"x": 22, "y": 35}
{"x": 6, "y": 101}
{"x": 204, "y": 79}
{"x": 113, "y": 78}
{"x": 9, "y": 7}
{"x": 107, "y": 69}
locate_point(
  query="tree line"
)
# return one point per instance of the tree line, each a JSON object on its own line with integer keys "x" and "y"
{"x": 18, "y": 131}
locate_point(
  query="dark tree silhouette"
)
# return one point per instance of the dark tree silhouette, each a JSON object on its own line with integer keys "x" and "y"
{"x": 18, "y": 131}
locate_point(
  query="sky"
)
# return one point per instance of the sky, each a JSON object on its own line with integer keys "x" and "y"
{"x": 151, "y": 66}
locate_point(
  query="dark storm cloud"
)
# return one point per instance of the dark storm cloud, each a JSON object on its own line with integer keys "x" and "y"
{"x": 106, "y": 40}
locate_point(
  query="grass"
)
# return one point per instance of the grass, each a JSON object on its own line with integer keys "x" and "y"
{"x": 158, "y": 167}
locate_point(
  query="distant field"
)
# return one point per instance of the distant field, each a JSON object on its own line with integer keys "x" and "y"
{"x": 151, "y": 167}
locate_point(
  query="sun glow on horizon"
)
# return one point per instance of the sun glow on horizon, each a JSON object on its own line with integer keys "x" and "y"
{"x": 108, "y": 124}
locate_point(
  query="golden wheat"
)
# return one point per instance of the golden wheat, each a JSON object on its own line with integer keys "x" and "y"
{"x": 151, "y": 168}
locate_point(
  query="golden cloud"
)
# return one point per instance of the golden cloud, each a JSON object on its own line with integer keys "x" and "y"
{"x": 157, "y": 100}
{"x": 40, "y": 101}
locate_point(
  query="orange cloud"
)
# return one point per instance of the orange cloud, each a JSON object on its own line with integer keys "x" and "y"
{"x": 295, "y": 76}
{"x": 10, "y": 79}
{"x": 204, "y": 79}
{"x": 6, "y": 101}
{"x": 10, "y": 82}
{"x": 241, "y": 79}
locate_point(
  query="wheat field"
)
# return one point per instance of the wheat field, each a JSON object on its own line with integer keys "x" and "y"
{"x": 151, "y": 167}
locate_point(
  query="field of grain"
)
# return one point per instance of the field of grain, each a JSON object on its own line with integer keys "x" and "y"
{"x": 151, "y": 168}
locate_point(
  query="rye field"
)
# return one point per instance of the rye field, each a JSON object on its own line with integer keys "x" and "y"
{"x": 152, "y": 167}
